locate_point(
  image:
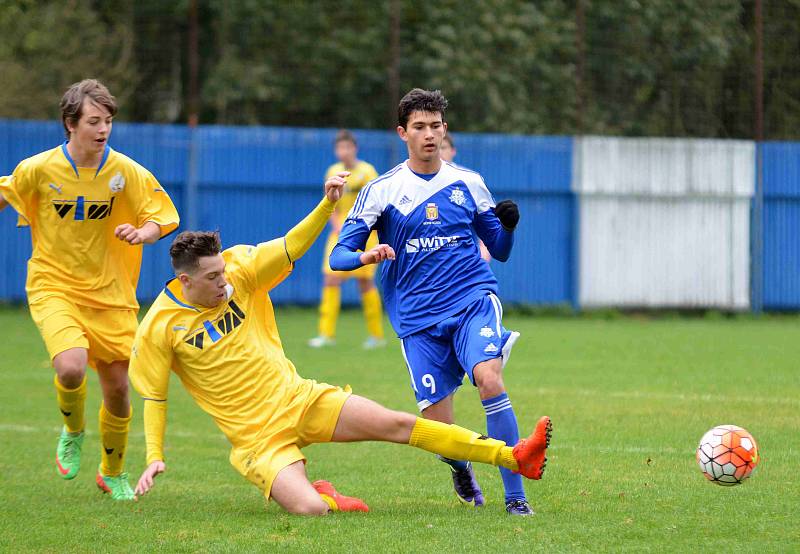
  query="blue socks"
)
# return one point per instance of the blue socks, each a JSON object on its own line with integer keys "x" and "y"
{"x": 501, "y": 424}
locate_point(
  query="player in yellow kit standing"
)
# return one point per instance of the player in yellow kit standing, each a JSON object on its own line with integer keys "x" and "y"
{"x": 214, "y": 327}
{"x": 90, "y": 209}
{"x": 361, "y": 173}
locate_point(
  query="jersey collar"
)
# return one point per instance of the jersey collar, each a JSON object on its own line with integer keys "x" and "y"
{"x": 174, "y": 292}
{"x": 106, "y": 152}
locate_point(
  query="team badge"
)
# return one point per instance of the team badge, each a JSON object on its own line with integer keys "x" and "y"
{"x": 487, "y": 332}
{"x": 457, "y": 197}
{"x": 431, "y": 211}
{"x": 117, "y": 183}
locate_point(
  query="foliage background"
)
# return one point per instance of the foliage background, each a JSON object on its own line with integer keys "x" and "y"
{"x": 655, "y": 67}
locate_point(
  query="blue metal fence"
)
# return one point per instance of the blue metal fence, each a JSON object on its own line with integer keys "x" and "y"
{"x": 254, "y": 183}
{"x": 781, "y": 225}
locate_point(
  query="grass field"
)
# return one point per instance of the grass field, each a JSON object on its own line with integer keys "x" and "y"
{"x": 629, "y": 399}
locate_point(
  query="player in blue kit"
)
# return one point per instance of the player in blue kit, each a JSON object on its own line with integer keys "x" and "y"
{"x": 440, "y": 295}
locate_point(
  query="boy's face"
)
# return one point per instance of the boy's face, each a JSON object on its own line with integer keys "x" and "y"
{"x": 91, "y": 132}
{"x": 423, "y": 135}
{"x": 346, "y": 152}
{"x": 205, "y": 286}
{"x": 446, "y": 151}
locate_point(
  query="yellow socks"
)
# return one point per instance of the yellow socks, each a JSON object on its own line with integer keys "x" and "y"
{"x": 330, "y": 502}
{"x": 71, "y": 403}
{"x": 373, "y": 314}
{"x": 457, "y": 443}
{"x": 329, "y": 311}
{"x": 114, "y": 438}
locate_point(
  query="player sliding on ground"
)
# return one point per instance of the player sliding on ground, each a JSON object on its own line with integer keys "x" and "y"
{"x": 440, "y": 296}
{"x": 89, "y": 209}
{"x": 214, "y": 326}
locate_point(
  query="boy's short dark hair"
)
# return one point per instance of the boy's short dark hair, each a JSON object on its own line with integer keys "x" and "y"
{"x": 72, "y": 101}
{"x": 345, "y": 135}
{"x": 189, "y": 246}
{"x": 449, "y": 139}
{"x": 418, "y": 100}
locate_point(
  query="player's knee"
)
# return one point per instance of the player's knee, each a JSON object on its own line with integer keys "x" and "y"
{"x": 70, "y": 369}
{"x": 490, "y": 382}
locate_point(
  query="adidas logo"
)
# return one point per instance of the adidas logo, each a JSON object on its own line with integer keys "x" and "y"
{"x": 404, "y": 200}
{"x": 490, "y": 349}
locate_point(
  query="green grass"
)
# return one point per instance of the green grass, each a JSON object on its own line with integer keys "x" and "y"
{"x": 629, "y": 399}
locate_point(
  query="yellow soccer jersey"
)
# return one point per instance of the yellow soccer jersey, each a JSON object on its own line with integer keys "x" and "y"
{"x": 360, "y": 175}
{"x": 72, "y": 213}
{"x": 229, "y": 358}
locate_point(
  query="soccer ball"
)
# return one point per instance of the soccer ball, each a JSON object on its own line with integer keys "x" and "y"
{"x": 727, "y": 455}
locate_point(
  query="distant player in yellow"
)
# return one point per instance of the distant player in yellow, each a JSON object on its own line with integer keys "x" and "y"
{"x": 361, "y": 173}
{"x": 214, "y": 327}
{"x": 90, "y": 209}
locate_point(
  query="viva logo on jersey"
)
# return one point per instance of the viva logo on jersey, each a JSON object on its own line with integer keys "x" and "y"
{"x": 224, "y": 325}
{"x": 81, "y": 209}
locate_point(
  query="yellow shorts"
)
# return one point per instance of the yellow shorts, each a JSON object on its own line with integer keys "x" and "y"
{"x": 309, "y": 417}
{"x": 363, "y": 272}
{"x": 106, "y": 334}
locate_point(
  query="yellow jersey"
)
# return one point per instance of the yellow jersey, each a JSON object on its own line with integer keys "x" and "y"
{"x": 230, "y": 357}
{"x": 360, "y": 175}
{"x": 73, "y": 212}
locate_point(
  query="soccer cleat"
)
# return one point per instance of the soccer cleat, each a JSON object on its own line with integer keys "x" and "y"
{"x": 530, "y": 452}
{"x": 118, "y": 486}
{"x": 321, "y": 342}
{"x": 466, "y": 486}
{"x": 372, "y": 343}
{"x": 68, "y": 453}
{"x": 519, "y": 508}
{"x": 342, "y": 503}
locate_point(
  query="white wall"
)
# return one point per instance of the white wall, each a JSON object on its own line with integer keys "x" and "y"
{"x": 664, "y": 222}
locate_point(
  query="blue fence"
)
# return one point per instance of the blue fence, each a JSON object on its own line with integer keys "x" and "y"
{"x": 781, "y": 225}
{"x": 254, "y": 183}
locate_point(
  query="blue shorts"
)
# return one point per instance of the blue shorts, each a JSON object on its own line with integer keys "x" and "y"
{"x": 438, "y": 357}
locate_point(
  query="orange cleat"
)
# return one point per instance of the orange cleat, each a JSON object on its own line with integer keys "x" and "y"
{"x": 530, "y": 452}
{"x": 339, "y": 502}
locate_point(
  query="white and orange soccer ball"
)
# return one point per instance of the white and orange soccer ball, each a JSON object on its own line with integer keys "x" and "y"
{"x": 727, "y": 455}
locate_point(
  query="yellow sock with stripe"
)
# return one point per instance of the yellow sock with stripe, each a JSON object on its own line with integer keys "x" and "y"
{"x": 114, "y": 441}
{"x": 329, "y": 311}
{"x": 373, "y": 313}
{"x": 71, "y": 403}
{"x": 452, "y": 441}
{"x": 330, "y": 502}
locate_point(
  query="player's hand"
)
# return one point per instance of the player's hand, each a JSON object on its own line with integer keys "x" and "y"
{"x": 334, "y": 186}
{"x": 149, "y": 233}
{"x": 146, "y": 481}
{"x": 508, "y": 214}
{"x": 377, "y": 255}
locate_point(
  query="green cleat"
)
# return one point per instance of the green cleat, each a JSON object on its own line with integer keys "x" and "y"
{"x": 68, "y": 453}
{"x": 118, "y": 486}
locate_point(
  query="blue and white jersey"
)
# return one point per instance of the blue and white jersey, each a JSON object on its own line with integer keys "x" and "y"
{"x": 432, "y": 223}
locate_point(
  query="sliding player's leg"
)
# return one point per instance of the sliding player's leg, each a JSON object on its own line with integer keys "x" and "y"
{"x": 293, "y": 492}
{"x": 362, "y": 419}
{"x": 465, "y": 484}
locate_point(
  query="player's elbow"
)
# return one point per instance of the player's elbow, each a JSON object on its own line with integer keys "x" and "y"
{"x": 500, "y": 256}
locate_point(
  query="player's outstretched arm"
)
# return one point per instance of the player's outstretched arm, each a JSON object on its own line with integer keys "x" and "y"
{"x": 300, "y": 238}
